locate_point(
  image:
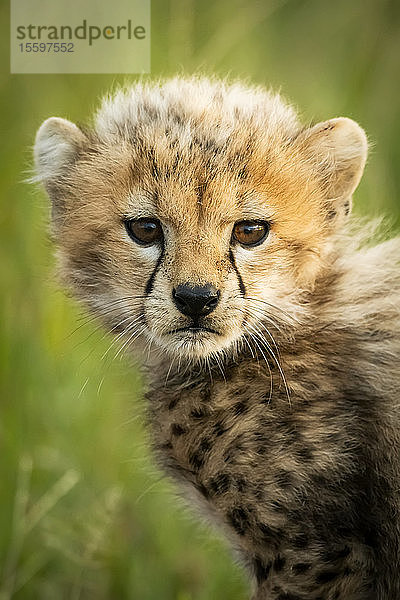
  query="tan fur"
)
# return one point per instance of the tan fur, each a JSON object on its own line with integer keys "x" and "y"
{"x": 285, "y": 423}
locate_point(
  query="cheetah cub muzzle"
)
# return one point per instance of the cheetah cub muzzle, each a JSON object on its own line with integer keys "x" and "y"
{"x": 209, "y": 229}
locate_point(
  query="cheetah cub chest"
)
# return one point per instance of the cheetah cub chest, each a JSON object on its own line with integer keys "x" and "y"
{"x": 210, "y": 231}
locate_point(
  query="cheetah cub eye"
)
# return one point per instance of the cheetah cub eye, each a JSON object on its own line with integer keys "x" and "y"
{"x": 250, "y": 233}
{"x": 144, "y": 232}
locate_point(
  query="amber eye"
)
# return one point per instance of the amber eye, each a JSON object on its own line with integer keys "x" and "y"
{"x": 250, "y": 233}
{"x": 145, "y": 232}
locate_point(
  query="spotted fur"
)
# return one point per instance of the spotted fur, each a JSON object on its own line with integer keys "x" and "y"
{"x": 283, "y": 425}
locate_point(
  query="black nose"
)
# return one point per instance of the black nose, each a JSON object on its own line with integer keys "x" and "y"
{"x": 195, "y": 300}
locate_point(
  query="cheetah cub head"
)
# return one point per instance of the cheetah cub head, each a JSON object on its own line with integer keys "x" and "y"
{"x": 197, "y": 215}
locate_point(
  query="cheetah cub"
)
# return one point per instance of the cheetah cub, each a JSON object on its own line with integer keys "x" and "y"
{"x": 206, "y": 226}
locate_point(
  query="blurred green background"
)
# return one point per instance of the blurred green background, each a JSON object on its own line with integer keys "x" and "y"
{"x": 84, "y": 514}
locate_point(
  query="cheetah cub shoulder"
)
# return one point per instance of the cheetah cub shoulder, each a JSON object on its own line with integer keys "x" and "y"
{"x": 202, "y": 221}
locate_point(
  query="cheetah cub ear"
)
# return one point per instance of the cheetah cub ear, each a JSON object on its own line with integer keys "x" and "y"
{"x": 338, "y": 150}
{"x": 57, "y": 146}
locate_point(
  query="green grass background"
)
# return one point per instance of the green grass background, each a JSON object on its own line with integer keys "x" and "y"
{"x": 84, "y": 514}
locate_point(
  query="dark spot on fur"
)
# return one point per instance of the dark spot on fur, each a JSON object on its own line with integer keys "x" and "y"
{"x": 284, "y": 479}
{"x": 266, "y": 398}
{"x": 196, "y": 459}
{"x": 198, "y": 413}
{"x": 166, "y": 446}
{"x": 241, "y": 484}
{"x": 347, "y": 208}
{"x": 344, "y": 532}
{"x": 155, "y": 171}
{"x": 261, "y": 569}
{"x": 173, "y": 403}
{"x": 177, "y": 429}
{"x": 228, "y": 458}
{"x": 203, "y": 490}
{"x": 220, "y": 428}
{"x": 191, "y": 385}
{"x": 269, "y": 535}
{"x": 199, "y": 191}
{"x": 220, "y": 484}
{"x": 276, "y": 589}
{"x": 242, "y": 173}
{"x": 279, "y": 563}
{"x": 331, "y": 214}
{"x": 370, "y": 538}
{"x": 299, "y": 568}
{"x": 175, "y": 162}
{"x": 305, "y": 453}
{"x": 239, "y": 518}
{"x": 173, "y": 115}
{"x": 287, "y": 426}
{"x": 234, "y": 449}
{"x": 262, "y": 442}
{"x": 259, "y": 494}
{"x": 300, "y": 541}
{"x": 205, "y": 394}
{"x": 334, "y": 555}
{"x": 320, "y": 481}
{"x": 151, "y": 111}
{"x": 326, "y": 576}
{"x": 207, "y": 145}
{"x": 277, "y": 506}
{"x": 240, "y": 408}
{"x": 205, "y": 444}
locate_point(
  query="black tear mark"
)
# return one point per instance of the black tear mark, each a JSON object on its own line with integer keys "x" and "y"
{"x": 242, "y": 287}
{"x": 150, "y": 283}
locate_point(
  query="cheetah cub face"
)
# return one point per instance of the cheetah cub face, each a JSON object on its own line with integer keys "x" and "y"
{"x": 196, "y": 214}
